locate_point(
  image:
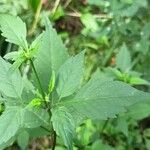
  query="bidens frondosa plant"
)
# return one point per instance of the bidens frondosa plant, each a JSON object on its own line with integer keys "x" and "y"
{"x": 51, "y": 95}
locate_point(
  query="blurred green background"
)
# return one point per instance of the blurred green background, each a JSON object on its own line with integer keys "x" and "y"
{"x": 116, "y": 37}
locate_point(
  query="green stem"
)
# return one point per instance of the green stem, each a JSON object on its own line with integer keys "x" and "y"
{"x": 107, "y": 57}
{"x": 38, "y": 80}
{"x": 47, "y": 106}
{"x": 54, "y": 141}
{"x": 104, "y": 126}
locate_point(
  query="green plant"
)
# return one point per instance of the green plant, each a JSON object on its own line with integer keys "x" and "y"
{"x": 53, "y": 95}
{"x": 123, "y": 70}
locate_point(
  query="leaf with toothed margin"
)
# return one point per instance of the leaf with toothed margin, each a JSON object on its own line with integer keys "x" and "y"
{"x": 14, "y": 29}
{"x": 9, "y": 125}
{"x": 11, "y": 83}
{"x": 70, "y": 75}
{"x": 50, "y": 56}
{"x": 64, "y": 125}
{"x": 100, "y": 100}
{"x": 15, "y": 118}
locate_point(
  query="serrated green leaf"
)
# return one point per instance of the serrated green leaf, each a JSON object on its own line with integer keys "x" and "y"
{"x": 16, "y": 117}
{"x": 20, "y": 112}
{"x": 14, "y": 29}
{"x": 24, "y": 99}
{"x": 9, "y": 125}
{"x": 11, "y": 84}
{"x": 70, "y": 75}
{"x": 64, "y": 125}
{"x": 51, "y": 55}
{"x": 123, "y": 59}
{"x": 101, "y": 100}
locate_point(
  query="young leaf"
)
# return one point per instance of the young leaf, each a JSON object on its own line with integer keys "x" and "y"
{"x": 123, "y": 59}
{"x": 10, "y": 83}
{"x": 64, "y": 125}
{"x": 36, "y": 43}
{"x": 14, "y": 29}
{"x": 102, "y": 100}
{"x": 12, "y": 55}
{"x": 21, "y": 56}
{"x": 138, "y": 81}
{"x": 70, "y": 75}
{"x": 18, "y": 57}
{"x": 51, "y": 55}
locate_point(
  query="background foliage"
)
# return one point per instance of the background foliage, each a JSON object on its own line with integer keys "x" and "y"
{"x": 116, "y": 36}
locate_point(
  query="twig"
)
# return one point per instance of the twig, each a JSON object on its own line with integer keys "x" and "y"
{"x": 36, "y": 19}
{"x": 97, "y": 16}
{"x": 67, "y": 3}
{"x": 55, "y": 7}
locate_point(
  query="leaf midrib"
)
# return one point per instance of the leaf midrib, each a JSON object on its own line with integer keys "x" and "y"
{"x": 95, "y": 99}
